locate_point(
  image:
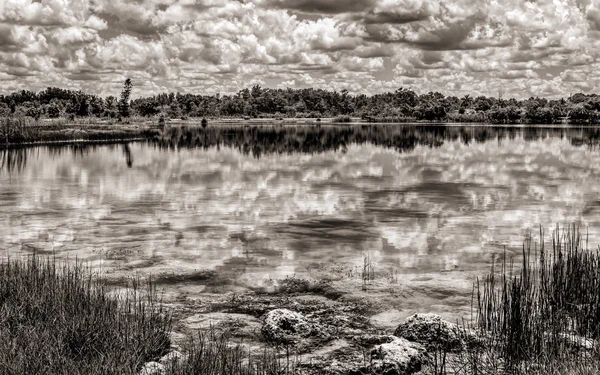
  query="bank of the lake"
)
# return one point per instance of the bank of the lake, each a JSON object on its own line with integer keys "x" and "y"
{"x": 25, "y": 131}
{"x": 304, "y": 327}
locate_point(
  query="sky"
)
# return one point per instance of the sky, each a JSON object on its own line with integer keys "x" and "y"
{"x": 513, "y": 48}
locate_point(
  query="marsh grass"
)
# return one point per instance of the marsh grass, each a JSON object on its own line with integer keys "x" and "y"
{"x": 548, "y": 304}
{"x": 540, "y": 315}
{"x": 15, "y": 129}
{"x": 19, "y": 130}
{"x": 59, "y": 319}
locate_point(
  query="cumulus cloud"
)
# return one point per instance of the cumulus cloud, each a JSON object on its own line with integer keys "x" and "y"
{"x": 366, "y": 46}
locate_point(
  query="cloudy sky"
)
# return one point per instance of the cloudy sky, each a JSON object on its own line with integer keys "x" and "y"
{"x": 536, "y": 47}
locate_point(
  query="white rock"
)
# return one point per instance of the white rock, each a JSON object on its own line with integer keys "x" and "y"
{"x": 286, "y": 326}
{"x": 398, "y": 357}
{"x": 172, "y": 357}
{"x": 433, "y": 331}
{"x": 152, "y": 368}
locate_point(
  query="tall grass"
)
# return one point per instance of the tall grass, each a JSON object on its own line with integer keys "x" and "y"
{"x": 59, "y": 319}
{"x": 547, "y": 308}
{"x": 15, "y": 129}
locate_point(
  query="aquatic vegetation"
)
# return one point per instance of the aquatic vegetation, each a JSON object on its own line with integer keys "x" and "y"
{"x": 59, "y": 318}
{"x": 539, "y": 315}
{"x": 539, "y": 311}
{"x": 15, "y": 129}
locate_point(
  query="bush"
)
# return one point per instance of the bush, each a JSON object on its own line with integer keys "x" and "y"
{"x": 342, "y": 119}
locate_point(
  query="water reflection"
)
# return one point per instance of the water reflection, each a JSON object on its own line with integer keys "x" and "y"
{"x": 238, "y": 207}
{"x": 259, "y": 140}
{"x": 13, "y": 159}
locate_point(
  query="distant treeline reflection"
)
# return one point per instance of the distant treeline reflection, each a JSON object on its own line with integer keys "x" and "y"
{"x": 15, "y": 159}
{"x": 261, "y": 140}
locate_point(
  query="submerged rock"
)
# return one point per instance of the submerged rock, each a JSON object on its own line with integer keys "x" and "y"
{"x": 283, "y": 326}
{"x": 152, "y": 368}
{"x": 434, "y": 332}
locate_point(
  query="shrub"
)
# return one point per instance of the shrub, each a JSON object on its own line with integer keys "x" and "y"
{"x": 342, "y": 119}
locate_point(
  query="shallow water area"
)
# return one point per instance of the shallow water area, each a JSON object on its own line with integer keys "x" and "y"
{"x": 215, "y": 211}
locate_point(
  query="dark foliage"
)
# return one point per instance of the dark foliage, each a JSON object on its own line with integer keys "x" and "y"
{"x": 402, "y": 105}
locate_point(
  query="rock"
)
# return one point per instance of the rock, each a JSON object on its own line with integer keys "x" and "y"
{"x": 369, "y": 340}
{"x": 398, "y": 357}
{"x": 283, "y": 326}
{"x": 152, "y": 368}
{"x": 573, "y": 341}
{"x": 395, "y": 356}
{"x": 433, "y": 332}
{"x": 171, "y": 358}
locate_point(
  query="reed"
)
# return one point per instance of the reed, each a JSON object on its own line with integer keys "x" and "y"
{"x": 59, "y": 319}
{"x": 15, "y": 129}
{"x": 546, "y": 309}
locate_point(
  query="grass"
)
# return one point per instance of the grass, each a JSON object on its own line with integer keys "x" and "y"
{"x": 549, "y": 297}
{"x": 59, "y": 318}
{"x": 537, "y": 315}
{"x": 533, "y": 316}
{"x": 15, "y": 131}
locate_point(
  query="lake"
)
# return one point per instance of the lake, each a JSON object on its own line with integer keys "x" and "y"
{"x": 256, "y": 204}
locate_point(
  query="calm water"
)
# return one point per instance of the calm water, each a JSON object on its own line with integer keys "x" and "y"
{"x": 261, "y": 204}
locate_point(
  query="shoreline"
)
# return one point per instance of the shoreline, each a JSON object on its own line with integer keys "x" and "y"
{"x": 49, "y": 133}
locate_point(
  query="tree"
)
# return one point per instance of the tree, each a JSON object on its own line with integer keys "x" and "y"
{"x": 53, "y": 110}
{"x": 124, "y": 101}
{"x": 110, "y": 107}
{"x": 4, "y": 109}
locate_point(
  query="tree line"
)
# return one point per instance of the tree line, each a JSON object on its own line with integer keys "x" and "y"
{"x": 401, "y": 105}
